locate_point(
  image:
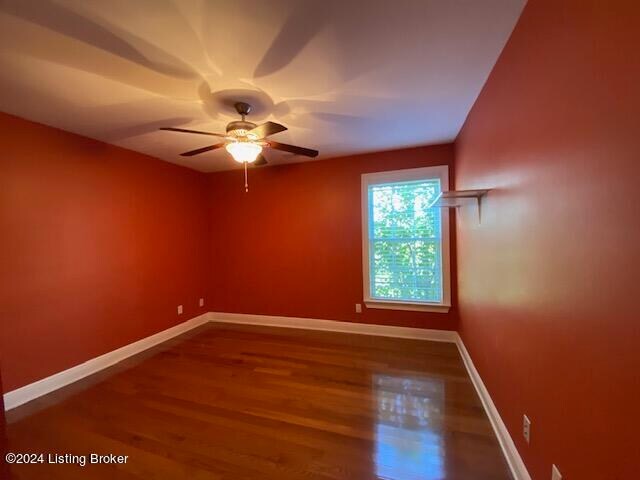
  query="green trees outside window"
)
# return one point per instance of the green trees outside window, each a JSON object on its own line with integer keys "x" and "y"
{"x": 405, "y": 258}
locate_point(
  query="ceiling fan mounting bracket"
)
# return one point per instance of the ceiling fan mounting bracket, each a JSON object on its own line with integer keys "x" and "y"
{"x": 243, "y": 108}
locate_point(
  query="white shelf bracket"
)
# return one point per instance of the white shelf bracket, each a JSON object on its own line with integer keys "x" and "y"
{"x": 459, "y": 198}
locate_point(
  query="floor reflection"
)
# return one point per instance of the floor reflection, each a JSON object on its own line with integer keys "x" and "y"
{"x": 409, "y": 443}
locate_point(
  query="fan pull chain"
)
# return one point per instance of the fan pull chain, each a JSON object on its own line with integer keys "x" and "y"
{"x": 246, "y": 181}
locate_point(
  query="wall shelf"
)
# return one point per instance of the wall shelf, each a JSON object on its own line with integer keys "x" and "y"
{"x": 460, "y": 198}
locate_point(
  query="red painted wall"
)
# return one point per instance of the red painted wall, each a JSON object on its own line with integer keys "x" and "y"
{"x": 548, "y": 283}
{"x": 99, "y": 246}
{"x": 292, "y": 245}
{"x": 4, "y": 466}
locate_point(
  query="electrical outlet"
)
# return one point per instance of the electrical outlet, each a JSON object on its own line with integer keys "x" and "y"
{"x": 358, "y": 308}
{"x": 201, "y": 303}
{"x": 179, "y": 309}
{"x": 555, "y": 473}
{"x": 526, "y": 428}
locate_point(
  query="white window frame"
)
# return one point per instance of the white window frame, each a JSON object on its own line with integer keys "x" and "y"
{"x": 408, "y": 175}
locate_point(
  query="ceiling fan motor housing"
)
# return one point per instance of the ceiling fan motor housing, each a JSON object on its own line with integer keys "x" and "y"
{"x": 240, "y": 128}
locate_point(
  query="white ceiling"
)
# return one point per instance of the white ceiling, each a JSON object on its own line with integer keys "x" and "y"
{"x": 345, "y": 76}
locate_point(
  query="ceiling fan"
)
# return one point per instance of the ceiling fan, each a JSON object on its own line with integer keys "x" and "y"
{"x": 245, "y": 140}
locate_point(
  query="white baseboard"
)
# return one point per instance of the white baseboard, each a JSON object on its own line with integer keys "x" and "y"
{"x": 335, "y": 326}
{"x": 517, "y": 466}
{"x": 34, "y": 390}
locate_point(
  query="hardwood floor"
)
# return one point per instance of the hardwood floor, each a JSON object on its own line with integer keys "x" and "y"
{"x": 236, "y": 402}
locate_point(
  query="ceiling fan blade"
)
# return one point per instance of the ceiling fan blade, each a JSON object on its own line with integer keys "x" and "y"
{"x": 260, "y": 161}
{"x": 267, "y": 128}
{"x": 307, "y": 152}
{"x": 183, "y": 130}
{"x": 191, "y": 153}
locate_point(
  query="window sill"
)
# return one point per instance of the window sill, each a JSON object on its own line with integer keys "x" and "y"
{"x": 412, "y": 306}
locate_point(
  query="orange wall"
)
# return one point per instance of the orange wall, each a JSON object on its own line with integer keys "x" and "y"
{"x": 292, "y": 245}
{"x": 99, "y": 246}
{"x": 548, "y": 282}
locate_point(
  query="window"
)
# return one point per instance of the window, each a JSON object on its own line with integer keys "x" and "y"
{"x": 405, "y": 241}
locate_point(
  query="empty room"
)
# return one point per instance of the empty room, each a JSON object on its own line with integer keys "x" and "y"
{"x": 320, "y": 240}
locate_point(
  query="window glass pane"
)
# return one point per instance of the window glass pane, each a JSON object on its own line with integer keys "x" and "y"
{"x": 405, "y": 261}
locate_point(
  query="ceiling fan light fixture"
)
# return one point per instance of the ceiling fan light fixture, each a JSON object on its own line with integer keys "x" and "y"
{"x": 244, "y": 152}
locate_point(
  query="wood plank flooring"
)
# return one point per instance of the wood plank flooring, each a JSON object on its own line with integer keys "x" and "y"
{"x": 241, "y": 402}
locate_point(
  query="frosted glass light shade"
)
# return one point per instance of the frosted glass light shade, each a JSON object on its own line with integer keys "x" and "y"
{"x": 244, "y": 152}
